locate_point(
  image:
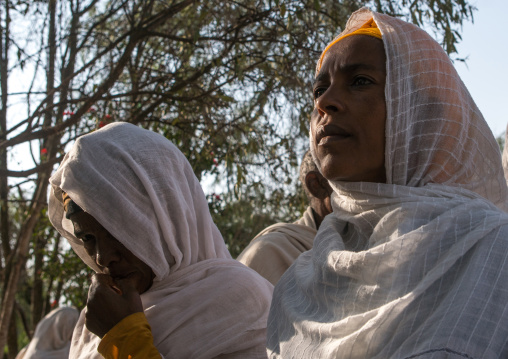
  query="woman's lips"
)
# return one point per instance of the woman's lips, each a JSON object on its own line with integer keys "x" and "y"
{"x": 331, "y": 133}
{"x": 334, "y": 138}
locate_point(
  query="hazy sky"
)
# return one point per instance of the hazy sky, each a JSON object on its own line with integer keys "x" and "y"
{"x": 486, "y": 70}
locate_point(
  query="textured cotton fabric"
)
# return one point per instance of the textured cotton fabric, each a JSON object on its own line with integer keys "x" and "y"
{"x": 276, "y": 247}
{"x": 52, "y": 336}
{"x": 416, "y": 267}
{"x": 142, "y": 189}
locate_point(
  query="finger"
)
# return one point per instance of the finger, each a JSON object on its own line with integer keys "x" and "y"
{"x": 131, "y": 296}
{"x": 101, "y": 280}
{"x": 117, "y": 290}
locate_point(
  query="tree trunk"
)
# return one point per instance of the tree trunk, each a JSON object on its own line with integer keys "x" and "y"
{"x": 24, "y": 321}
{"x": 4, "y": 189}
{"x": 12, "y": 339}
{"x": 38, "y": 200}
{"x": 37, "y": 289}
{"x": 19, "y": 260}
{"x": 54, "y": 259}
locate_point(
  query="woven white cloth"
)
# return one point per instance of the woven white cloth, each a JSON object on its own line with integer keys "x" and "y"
{"x": 142, "y": 189}
{"x": 416, "y": 267}
{"x": 52, "y": 337}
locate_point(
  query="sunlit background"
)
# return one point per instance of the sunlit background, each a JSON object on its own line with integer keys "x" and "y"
{"x": 485, "y": 72}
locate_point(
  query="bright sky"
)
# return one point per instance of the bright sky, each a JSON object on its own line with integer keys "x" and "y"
{"x": 486, "y": 70}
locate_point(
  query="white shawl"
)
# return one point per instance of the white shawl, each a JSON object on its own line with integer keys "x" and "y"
{"x": 52, "y": 337}
{"x": 416, "y": 267}
{"x": 142, "y": 189}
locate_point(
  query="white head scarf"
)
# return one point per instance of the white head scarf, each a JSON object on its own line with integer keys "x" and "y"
{"x": 142, "y": 189}
{"x": 52, "y": 337}
{"x": 415, "y": 267}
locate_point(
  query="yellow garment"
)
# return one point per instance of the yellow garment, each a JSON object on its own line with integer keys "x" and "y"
{"x": 130, "y": 338}
{"x": 369, "y": 28}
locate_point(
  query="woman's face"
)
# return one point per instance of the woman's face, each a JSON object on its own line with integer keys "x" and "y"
{"x": 349, "y": 133}
{"x": 109, "y": 254}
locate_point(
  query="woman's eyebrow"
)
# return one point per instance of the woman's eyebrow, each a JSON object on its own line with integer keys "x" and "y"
{"x": 357, "y": 66}
{"x": 321, "y": 77}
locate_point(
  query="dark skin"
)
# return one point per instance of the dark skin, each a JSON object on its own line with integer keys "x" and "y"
{"x": 115, "y": 292}
{"x": 109, "y": 301}
{"x": 349, "y": 133}
{"x": 321, "y": 191}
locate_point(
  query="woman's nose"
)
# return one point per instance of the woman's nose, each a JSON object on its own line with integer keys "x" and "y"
{"x": 106, "y": 252}
{"x": 329, "y": 102}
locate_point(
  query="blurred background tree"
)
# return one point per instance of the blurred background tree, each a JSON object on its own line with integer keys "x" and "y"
{"x": 227, "y": 81}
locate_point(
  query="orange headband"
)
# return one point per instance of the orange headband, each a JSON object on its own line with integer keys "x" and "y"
{"x": 369, "y": 28}
{"x": 70, "y": 207}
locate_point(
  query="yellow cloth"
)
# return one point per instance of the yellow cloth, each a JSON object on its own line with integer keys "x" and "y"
{"x": 369, "y": 28}
{"x": 130, "y": 338}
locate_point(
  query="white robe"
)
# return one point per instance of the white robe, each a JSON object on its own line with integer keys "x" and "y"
{"x": 416, "y": 267}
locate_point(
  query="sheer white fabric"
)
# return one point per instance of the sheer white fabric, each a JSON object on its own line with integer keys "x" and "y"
{"x": 416, "y": 267}
{"x": 142, "y": 189}
{"x": 52, "y": 337}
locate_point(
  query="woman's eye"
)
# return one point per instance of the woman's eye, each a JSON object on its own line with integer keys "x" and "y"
{"x": 361, "y": 81}
{"x": 88, "y": 238}
{"x": 318, "y": 92}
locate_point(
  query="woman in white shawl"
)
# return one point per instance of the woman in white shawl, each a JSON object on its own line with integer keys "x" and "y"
{"x": 52, "y": 337}
{"x": 153, "y": 215}
{"x": 412, "y": 263}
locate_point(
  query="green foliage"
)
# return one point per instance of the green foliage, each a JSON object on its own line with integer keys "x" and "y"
{"x": 23, "y": 338}
{"x": 444, "y": 17}
{"x": 65, "y": 276}
{"x": 501, "y": 141}
{"x": 240, "y": 220}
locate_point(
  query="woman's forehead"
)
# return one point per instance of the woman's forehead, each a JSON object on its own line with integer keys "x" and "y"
{"x": 354, "y": 52}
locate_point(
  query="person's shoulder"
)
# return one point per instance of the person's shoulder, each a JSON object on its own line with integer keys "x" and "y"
{"x": 269, "y": 240}
{"x": 236, "y": 277}
{"x": 272, "y": 244}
